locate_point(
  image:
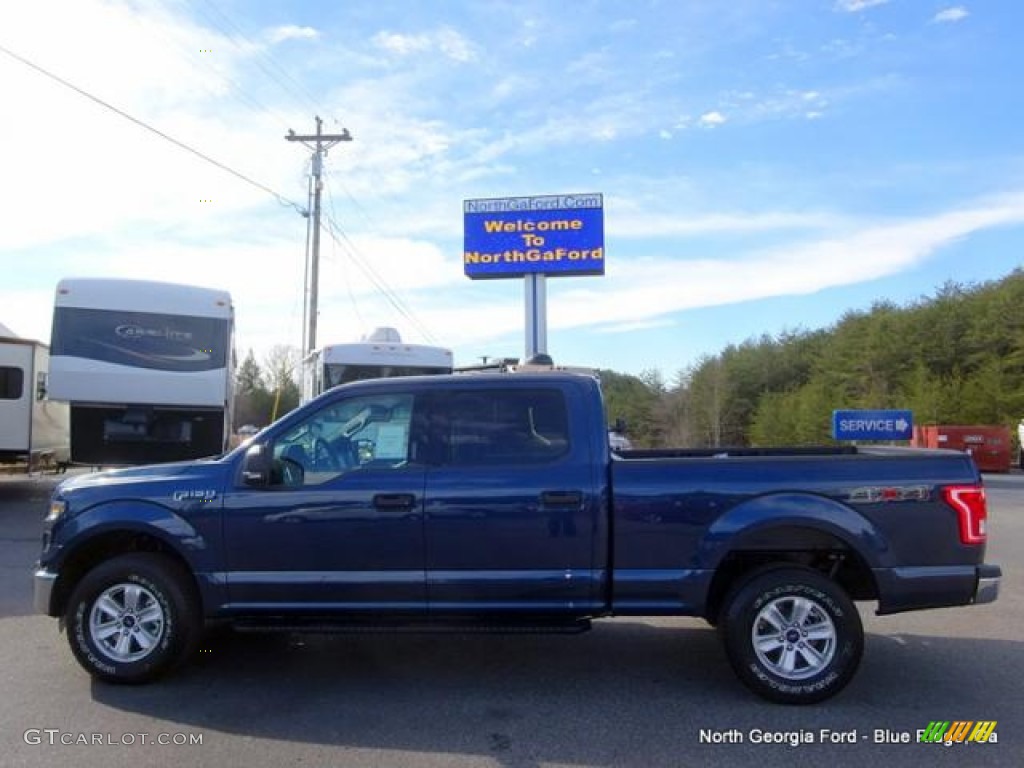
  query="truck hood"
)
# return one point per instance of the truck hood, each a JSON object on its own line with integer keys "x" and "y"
{"x": 154, "y": 481}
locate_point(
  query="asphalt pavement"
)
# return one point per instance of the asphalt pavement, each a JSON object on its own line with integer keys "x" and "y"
{"x": 629, "y": 693}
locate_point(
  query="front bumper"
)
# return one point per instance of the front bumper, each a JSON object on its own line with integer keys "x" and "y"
{"x": 42, "y": 591}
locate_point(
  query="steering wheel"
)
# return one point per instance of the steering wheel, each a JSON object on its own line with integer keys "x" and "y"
{"x": 291, "y": 473}
{"x": 324, "y": 456}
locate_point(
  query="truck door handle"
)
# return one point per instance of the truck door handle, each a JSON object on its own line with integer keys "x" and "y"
{"x": 394, "y": 501}
{"x": 562, "y": 499}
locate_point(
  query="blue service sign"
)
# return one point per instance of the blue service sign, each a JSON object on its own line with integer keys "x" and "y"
{"x": 551, "y": 235}
{"x": 872, "y": 425}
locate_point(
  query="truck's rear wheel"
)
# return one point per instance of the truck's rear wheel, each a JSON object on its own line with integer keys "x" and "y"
{"x": 132, "y": 618}
{"x": 792, "y": 635}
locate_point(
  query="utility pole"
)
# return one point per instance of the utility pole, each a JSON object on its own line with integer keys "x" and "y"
{"x": 319, "y": 143}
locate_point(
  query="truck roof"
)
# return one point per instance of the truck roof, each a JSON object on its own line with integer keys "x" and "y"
{"x": 482, "y": 378}
{"x": 475, "y": 380}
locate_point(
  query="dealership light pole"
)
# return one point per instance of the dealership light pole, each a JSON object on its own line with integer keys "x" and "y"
{"x": 319, "y": 143}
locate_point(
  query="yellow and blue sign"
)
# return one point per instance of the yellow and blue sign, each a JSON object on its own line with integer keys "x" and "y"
{"x": 556, "y": 235}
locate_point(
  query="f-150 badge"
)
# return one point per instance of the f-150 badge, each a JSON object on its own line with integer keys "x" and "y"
{"x": 197, "y": 495}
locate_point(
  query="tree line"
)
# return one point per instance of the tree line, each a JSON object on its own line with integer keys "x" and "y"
{"x": 955, "y": 357}
{"x": 265, "y": 393}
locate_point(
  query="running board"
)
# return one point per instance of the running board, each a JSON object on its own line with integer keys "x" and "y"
{"x": 327, "y": 626}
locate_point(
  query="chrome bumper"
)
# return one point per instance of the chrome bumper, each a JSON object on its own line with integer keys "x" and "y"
{"x": 988, "y": 584}
{"x": 42, "y": 590}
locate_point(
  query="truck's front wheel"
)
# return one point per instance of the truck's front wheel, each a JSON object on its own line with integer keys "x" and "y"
{"x": 792, "y": 635}
{"x": 132, "y": 618}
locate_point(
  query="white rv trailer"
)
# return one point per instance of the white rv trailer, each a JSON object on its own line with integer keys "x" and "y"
{"x": 378, "y": 355}
{"x": 147, "y": 368}
{"x": 33, "y": 428}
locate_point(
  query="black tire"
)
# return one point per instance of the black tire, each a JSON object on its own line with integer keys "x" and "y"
{"x": 132, "y": 618}
{"x": 811, "y": 637}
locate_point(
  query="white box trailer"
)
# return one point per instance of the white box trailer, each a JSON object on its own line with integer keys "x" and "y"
{"x": 33, "y": 428}
{"x": 146, "y": 367}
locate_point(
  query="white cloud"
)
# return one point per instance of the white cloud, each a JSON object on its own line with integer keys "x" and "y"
{"x": 29, "y": 313}
{"x": 856, "y": 6}
{"x": 291, "y": 32}
{"x": 445, "y": 40}
{"x": 641, "y": 224}
{"x": 780, "y": 103}
{"x": 622, "y": 25}
{"x": 512, "y": 87}
{"x": 648, "y": 290}
{"x": 402, "y": 44}
{"x": 119, "y": 200}
{"x": 264, "y": 276}
{"x": 641, "y": 325}
{"x": 956, "y": 13}
{"x": 114, "y": 173}
{"x": 592, "y": 65}
{"x": 839, "y": 48}
{"x": 455, "y": 46}
{"x": 529, "y": 36}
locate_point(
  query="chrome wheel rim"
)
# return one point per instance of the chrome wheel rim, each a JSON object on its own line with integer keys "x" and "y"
{"x": 126, "y": 622}
{"x": 794, "y": 638}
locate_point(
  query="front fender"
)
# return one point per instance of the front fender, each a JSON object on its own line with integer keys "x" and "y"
{"x": 757, "y": 523}
{"x": 185, "y": 537}
{"x": 195, "y": 540}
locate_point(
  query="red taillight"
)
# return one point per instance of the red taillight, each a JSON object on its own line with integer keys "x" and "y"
{"x": 971, "y": 510}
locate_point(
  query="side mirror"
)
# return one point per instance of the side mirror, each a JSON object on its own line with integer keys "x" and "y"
{"x": 256, "y": 466}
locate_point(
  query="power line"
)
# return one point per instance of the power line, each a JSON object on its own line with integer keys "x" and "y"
{"x": 334, "y": 230}
{"x": 206, "y": 63}
{"x": 358, "y": 206}
{"x": 142, "y": 124}
{"x": 363, "y": 264}
{"x": 348, "y": 279}
{"x": 312, "y": 259}
{"x": 299, "y": 92}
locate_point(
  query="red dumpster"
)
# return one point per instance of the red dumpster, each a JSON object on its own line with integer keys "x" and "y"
{"x": 989, "y": 445}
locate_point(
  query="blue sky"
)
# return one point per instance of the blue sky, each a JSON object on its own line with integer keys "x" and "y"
{"x": 765, "y": 166}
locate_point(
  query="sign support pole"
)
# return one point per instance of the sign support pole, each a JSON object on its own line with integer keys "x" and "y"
{"x": 536, "y": 296}
{"x": 532, "y": 238}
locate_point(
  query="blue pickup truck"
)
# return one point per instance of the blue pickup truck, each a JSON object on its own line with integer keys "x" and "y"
{"x": 492, "y": 502}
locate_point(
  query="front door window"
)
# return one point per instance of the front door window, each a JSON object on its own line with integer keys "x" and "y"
{"x": 369, "y": 432}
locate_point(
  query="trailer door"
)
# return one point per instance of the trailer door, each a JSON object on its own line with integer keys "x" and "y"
{"x": 15, "y": 397}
